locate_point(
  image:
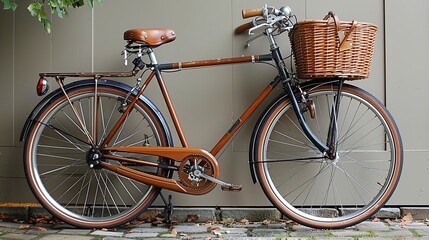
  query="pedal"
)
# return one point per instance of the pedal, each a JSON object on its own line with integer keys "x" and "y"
{"x": 224, "y": 185}
{"x": 231, "y": 187}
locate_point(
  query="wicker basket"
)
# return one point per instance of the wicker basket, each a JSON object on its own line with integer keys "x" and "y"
{"x": 332, "y": 49}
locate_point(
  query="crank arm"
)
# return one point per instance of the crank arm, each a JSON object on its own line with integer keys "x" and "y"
{"x": 224, "y": 185}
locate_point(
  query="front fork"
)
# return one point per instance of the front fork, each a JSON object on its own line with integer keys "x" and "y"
{"x": 330, "y": 148}
{"x": 333, "y": 125}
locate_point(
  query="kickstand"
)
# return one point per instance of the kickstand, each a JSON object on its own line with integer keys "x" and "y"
{"x": 168, "y": 209}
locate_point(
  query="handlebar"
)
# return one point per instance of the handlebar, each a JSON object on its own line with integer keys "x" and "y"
{"x": 247, "y": 13}
{"x": 243, "y": 27}
{"x": 268, "y": 17}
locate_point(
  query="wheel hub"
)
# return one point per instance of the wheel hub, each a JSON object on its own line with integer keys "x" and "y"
{"x": 93, "y": 158}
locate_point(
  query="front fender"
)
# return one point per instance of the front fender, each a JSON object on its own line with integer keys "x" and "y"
{"x": 102, "y": 82}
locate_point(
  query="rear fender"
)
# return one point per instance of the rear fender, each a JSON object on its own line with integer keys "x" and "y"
{"x": 102, "y": 82}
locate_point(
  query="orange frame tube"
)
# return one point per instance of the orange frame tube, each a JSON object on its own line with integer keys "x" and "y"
{"x": 156, "y": 71}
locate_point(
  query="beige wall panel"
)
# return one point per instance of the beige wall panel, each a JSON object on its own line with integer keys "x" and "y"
{"x": 412, "y": 188}
{"x": 13, "y": 184}
{"x": 72, "y": 42}
{"x": 17, "y": 191}
{"x": 407, "y": 62}
{"x": 406, "y": 92}
{"x": 6, "y": 78}
{"x": 32, "y": 55}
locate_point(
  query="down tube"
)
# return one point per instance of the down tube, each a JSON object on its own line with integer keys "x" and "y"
{"x": 243, "y": 118}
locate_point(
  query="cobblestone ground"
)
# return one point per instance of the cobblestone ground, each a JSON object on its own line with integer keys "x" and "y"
{"x": 369, "y": 230}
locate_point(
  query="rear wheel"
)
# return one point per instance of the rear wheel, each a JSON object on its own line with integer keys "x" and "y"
{"x": 58, "y": 155}
{"x": 318, "y": 191}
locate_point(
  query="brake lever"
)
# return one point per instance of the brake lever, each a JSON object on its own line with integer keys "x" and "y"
{"x": 251, "y": 30}
{"x": 253, "y": 39}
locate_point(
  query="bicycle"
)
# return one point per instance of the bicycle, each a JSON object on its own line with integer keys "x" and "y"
{"x": 97, "y": 152}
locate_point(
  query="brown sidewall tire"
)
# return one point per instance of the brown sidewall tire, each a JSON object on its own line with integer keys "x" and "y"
{"x": 260, "y": 171}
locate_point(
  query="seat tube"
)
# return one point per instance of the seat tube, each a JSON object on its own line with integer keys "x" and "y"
{"x": 170, "y": 107}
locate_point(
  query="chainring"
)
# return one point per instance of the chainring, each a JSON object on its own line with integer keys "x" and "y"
{"x": 189, "y": 180}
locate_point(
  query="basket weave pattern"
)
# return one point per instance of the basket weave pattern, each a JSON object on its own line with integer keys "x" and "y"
{"x": 315, "y": 44}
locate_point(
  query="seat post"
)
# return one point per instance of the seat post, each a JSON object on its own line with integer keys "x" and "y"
{"x": 152, "y": 56}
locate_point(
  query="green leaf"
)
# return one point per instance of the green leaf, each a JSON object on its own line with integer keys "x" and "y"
{"x": 13, "y": 5}
{"x": 42, "y": 15}
{"x": 77, "y": 3}
{"x": 53, "y": 4}
{"x": 91, "y": 3}
{"x": 7, "y": 4}
{"x": 47, "y": 25}
{"x": 58, "y": 7}
{"x": 35, "y": 8}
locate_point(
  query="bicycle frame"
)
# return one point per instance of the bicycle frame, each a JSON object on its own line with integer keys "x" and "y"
{"x": 179, "y": 153}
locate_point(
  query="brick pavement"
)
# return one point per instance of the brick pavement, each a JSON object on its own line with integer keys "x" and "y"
{"x": 368, "y": 230}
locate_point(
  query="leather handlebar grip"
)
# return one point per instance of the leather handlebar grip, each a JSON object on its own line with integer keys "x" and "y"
{"x": 244, "y": 27}
{"x": 246, "y": 13}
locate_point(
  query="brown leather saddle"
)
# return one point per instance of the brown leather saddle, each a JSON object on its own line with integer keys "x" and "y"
{"x": 151, "y": 37}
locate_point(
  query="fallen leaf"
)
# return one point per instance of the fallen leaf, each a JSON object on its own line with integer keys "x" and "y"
{"x": 266, "y": 222}
{"x": 157, "y": 220}
{"x": 244, "y": 221}
{"x": 408, "y": 217}
{"x": 207, "y": 223}
{"x": 193, "y": 217}
{"x": 24, "y": 226}
{"x": 228, "y": 221}
{"x": 214, "y": 228}
{"x": 40, "y": 229}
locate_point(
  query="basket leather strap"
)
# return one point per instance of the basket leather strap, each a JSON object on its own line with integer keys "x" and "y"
{"x": 332, "y": 15}
{"x": 344, "y": 45}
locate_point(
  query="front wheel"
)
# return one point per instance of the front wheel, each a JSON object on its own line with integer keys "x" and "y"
{"x": 322, "y": 192}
